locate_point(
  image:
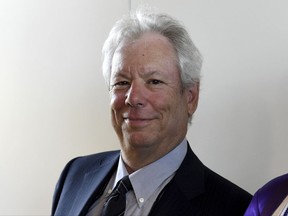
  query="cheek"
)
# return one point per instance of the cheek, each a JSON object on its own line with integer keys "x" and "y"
{"x": 173, "y": 105}
{"x": 117, "y": 101}
{"x": 164, "y": 104}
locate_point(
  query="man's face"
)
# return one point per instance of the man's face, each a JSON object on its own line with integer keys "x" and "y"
{"x": 149, "y": 107}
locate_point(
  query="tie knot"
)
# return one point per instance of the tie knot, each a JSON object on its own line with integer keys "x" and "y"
{"x": 124, "y": 185}
{"x": 116, "y": 202}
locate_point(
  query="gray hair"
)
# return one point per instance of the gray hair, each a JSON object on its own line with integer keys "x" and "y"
{"x": 144, "y": 20}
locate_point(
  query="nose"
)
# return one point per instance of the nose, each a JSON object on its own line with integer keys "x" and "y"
{"x": 135, "y": 96}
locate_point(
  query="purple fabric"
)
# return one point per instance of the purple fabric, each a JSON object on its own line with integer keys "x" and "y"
{"x": 269, "y": 197}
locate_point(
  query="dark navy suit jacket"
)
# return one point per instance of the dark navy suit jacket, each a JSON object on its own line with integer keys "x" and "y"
{"x": 194, "y": 190}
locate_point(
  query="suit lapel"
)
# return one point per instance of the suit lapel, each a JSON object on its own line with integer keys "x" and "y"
{"x": 182, "y": 195}
{"x": 90, "y": 189}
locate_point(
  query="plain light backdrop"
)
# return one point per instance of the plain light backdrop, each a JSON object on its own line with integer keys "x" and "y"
{"x": 54, "y": 104}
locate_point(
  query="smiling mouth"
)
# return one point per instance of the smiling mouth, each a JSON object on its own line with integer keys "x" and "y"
{"x": 135, "y": 119}
{"x": 137, "y": 122}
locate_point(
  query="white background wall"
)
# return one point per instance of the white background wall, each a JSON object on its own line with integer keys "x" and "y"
{"x": 54, "y": 103}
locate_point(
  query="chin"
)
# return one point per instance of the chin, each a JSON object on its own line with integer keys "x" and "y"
{"x": 138, "y": 140}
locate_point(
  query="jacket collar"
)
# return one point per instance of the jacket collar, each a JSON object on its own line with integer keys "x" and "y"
{"x": 92, "y": 186}
{"x": 187, "y": 185}
{"x": 190, "y": 175}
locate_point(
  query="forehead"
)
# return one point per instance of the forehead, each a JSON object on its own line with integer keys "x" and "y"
{"x": 148, "y": 51}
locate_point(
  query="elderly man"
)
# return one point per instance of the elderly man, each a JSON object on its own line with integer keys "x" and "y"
{"x": 152, "y": 69}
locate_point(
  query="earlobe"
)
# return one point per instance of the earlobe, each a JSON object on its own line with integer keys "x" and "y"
{"x": 193, "y": 96}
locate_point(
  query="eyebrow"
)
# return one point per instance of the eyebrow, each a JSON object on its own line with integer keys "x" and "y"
{"x": 122, "y": 73}
{"x": 150, "y": 73}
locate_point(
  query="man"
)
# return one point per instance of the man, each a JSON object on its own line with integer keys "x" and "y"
{"x": 271, "y": 199}
{"x": 152, "y": 69}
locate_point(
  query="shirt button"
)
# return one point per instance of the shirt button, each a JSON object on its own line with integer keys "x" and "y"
{"x": 141, "y": 200}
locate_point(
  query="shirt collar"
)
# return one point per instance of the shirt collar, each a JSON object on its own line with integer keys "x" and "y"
{"x": 157, "y": 172}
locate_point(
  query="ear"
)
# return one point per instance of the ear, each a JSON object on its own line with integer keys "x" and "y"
{"x": 192, "y": 98}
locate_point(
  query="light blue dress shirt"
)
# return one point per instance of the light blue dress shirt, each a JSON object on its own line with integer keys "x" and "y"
{"x": 147, "y": 182}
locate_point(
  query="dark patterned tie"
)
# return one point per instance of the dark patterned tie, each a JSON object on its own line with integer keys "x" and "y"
{"x": 116, "y": 201}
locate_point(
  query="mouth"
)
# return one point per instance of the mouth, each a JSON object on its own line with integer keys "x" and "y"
{"x": 136, "y": 122}
{"x": 135, "y": 119}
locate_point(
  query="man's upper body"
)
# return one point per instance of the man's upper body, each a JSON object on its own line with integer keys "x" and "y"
{"x": 152, "y": 69}
{"x": 193, "y": 190}
{"x": 271, "y": 199}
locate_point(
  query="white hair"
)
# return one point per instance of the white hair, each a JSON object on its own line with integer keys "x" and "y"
{"x": 145, "y": 20}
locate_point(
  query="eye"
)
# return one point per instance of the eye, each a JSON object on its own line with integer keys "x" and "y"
{"x": 155, "y": 82}
{"x": 120, "y": 84}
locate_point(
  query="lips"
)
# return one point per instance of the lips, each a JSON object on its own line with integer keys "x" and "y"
{"x": 136, "y": 121}
{"x": 133, "y": 119}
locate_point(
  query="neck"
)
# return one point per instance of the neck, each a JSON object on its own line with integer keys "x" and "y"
{"x": 137, "y": 158}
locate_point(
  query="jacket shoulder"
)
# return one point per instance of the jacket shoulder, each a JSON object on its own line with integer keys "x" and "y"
{"x": 77, "y": 167}
{"x": 85, "y": 163}
{"x": 226, "y": 194}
